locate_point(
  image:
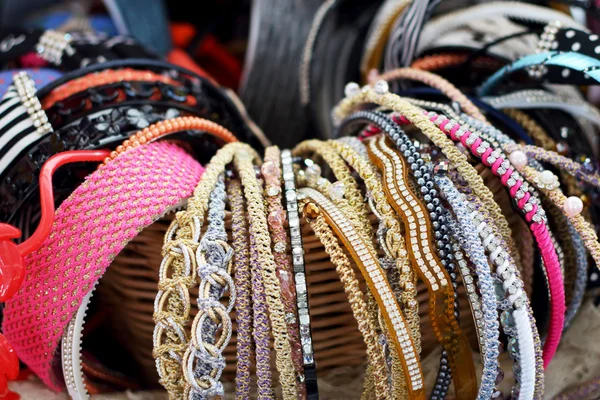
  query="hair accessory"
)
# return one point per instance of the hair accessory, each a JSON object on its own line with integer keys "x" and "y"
{"x": 470, "y": 242}
{"x": 22, "y": 120}
{"x": 404, "y": 39}
{"x": 437, "y": 82}
{"x": 560, "y": 38}
{"x": 441, "y": 286}
{"x": 149, "y": 183}
{"x": 571, "y": 207}
{"x": 509, "y": 177}
{"x": 402, "y": 277}
{"x": 272, "y": 175}
{"x": 203, "y": 362}
{"x": 168, "y": 127}
{"x": 12, "y": 259}
{"x": 293, "y": 219}
{"x": 378, "y": 34}
{"x": 520, "y": 12}
{"x": 243, "y": 284}
{"x": 103, "y": 78}
{"x": 574, "y": 168}
{"x": 535, "y": 98}
{"x": 588, "y": 67}
{"x": 316, "y": 204}
{"x": 360, "y": 308}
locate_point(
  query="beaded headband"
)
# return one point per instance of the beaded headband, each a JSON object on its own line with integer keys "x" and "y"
{"x": 91, "y": 227}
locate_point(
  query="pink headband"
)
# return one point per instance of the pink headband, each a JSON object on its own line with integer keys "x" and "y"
{"x": 90, "y": 228}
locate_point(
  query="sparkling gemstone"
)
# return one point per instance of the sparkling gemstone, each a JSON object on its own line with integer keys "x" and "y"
{"x": 277, "y": 218}
{"x": 513, "y": 347}
{"x": 290, "y": 318}
{"x": 269, "y": 169}
{"x": 273, "y": 191}
{"x": 337, "y": 190}
{"x": 441, "y": 168}
{"x": 562, "y": 148}
{"x": 280, "y": 247}
{"x": 304, "y": 330}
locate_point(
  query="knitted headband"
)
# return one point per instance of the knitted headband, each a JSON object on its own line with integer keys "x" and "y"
{"x": 91, "y": 227}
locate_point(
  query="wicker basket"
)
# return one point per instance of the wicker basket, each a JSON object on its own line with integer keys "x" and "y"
{"x": 129, "y": 288}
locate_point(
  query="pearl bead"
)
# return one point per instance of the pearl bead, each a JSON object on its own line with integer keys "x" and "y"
{"x": 381, "y": 87}
{"x": 518, "y": 159}
{"x": 351, "y": 89}
{"x": 547, "y": 177}
{"x": 573, "y": 206}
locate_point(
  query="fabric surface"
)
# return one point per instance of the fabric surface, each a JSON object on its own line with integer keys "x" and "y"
{"x": 91, "y": 227}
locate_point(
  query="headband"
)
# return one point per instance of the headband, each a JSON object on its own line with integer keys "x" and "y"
{"x": 91, "y": 227}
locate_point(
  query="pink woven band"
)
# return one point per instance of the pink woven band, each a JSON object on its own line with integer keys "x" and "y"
{"x": 91, "y": 227}
{"x": 539, "y": 229}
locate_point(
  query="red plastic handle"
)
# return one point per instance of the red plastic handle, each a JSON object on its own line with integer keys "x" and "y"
{"x": 12, "y": 269}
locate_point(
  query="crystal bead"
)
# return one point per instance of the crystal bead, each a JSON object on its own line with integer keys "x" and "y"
{"x": 337, "y": 190}
{"x": 381, "y": 87}
{"x": 507, "y": 319}
{"x": 273, "y": 191}
{"x": 513, "y": 347}
{"x": 280, "y": 247}
{"x": 276, "y": 218}
{"x": 269, "y": 169}
{"x": 308, "y": 359}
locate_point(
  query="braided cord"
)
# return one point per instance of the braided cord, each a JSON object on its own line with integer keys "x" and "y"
{"x": 203, "y": 361}
{"x": 241, "y": 267}
{"x": 563, "y": 163}
{"x": 262, "y": 242}
{"x": 177, "y": 275}
{"x": 437, "y": 82}
{"x": 504, "y": 258}
{"x": 473, "y": 247}
{"x": 509, "y": 177}
{"x": 585, "y": 230}
{"x": 365, "y": 257}
{"x": 542, "y": 139}
{"x": 260, "y": 323}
